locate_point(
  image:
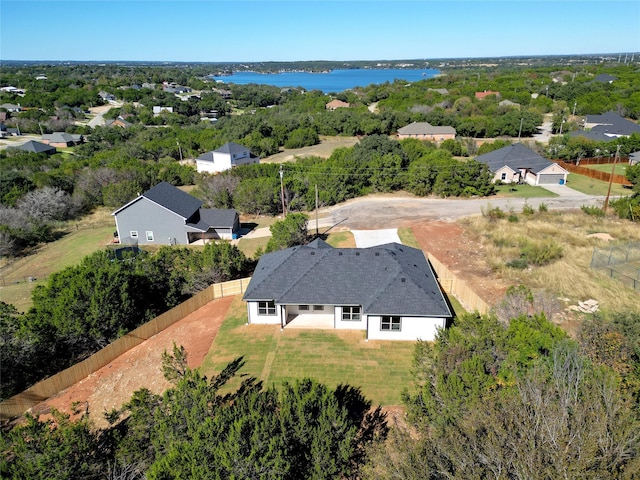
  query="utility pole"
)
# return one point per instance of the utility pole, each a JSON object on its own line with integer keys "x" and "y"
{"x": 284, "y": 209}
{"x": 317, "y": 230}
{"x": 180, "y": 150}
{"x": 613, "y": 169}
{"x": 520, "y": 130}
{"x": 561, "y": 125}
{"x": 575, "y": 104}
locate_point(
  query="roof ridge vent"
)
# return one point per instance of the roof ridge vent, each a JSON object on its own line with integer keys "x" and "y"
{"x": 403, "y": 279}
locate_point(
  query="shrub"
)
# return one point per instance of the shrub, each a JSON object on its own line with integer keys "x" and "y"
{"x": 527, "y": 209}
{"x": 543, "y": 207}
{"x": 494, "y": 213}
{"x": 513, "y": 218}
{"x": 541, "y": 253}
{"x": 593, "y": 211}
{"x": 519, "y": 263}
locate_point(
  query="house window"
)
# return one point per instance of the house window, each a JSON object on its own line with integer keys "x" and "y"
{"x": 267, "y": 308}
{"x": 318, "y": 307}
{"x": 391, "y": 323}
{"x": 503, "y": 176}
{"x": 303, "y": 307}
{"x": 149, "y": 236}
{"x": 351, "y": 314}
{"x": 133, "y": 233}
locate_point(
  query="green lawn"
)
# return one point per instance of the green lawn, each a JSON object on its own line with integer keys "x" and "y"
{"x": 523, "y": 191}
{"x": 50, "y": 258}
{"x": 382, "y": 369}
{"x": 591, "y": 186}
{"x": 620, "y": 168}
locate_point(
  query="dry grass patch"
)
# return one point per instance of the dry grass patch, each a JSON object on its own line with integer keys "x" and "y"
{"x": 565, "y": 237}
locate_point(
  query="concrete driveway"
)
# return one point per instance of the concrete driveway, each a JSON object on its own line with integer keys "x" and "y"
{"x": 564, "y": 191}
{"x": 372, "y": 238}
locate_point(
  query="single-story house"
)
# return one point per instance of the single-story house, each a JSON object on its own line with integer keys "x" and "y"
{"x": 229, "y": 155}
{"x": 519, "y": 164}
{"x": 389, "y": 291}
{"x": 36, "y": 147}
{"x": 486, "y": 93}
{"x": 157, "y": 109}
{"x": 118, "y": 122}
{"x": 165, "y": 215}
{"x": 10, "y": 107}
{"x": 335, "y": 104}
{"x": 508, "y": 103}
{"x": 604, "y": 78}
{"x": 611, "y": 125}
{"x": 62, "y": 139}
{"x": 634, "y": 158}
{"x": 106, "y": 96}
{"x": 426, "y": 131}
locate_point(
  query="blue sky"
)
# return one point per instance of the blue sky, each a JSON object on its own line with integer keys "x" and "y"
{"x": 264, "y": 30}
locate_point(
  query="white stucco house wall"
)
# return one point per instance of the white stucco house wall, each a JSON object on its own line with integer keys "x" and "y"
{"x": 228, "y": 156}
{"x": 390, "y": 291}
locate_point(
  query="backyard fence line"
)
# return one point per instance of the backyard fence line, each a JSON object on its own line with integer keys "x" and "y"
{"x": 595, "y": 174}
{"x": 458, "y": 288}
{"x": 41, "y": 391}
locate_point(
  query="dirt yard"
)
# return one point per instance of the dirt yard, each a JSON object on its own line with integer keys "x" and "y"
{"x": 463, "y": 256}
{"x": 114, "y": 384}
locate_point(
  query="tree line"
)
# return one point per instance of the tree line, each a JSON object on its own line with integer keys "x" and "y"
{"x": 491, "y": 398}
{"x": 83, "y": 308}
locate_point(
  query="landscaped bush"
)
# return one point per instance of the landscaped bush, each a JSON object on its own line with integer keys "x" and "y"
{"x": 494, "y": 213}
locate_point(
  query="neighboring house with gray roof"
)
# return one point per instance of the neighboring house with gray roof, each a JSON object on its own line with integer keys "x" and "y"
{"x": 62, "y": 139}
{"x": 604, "y": 78}
{"x": 10, "y": 107}
{"x": 165, "y": 215}
{"x": 611, "y": 125}
{"x": 36, "y": 147}
{"x": 389, "y": 291}
{"x": 634, "y": 158}
{"x": 519, "y": 164}
{"x": 229, "y": 155}
{"x": 426, "y": 131}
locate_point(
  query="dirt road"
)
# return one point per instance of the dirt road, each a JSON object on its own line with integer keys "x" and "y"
{"x": 382, "y": 211}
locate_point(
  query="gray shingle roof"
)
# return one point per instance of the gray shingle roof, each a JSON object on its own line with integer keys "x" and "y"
{"x": 173, "y": 199}
{"x": 592, "y": 135}
{"x": 612, "y": 123}
{"x": 231, "y": 148}
{"x": 425, "y": 128}
{"x": 214, "y": 218}
{"x": 36, "y": 147}
{"x": 515, "y": 156}
{"x": 389, "y": 279}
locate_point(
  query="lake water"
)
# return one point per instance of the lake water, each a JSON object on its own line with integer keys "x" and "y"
{"x": 333, "y": 81}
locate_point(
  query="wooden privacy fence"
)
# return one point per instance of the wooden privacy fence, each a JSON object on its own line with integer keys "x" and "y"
{"x": 20, "y": 403}
{"x": 458, "y": 288}
{"x": 591, "y": 173}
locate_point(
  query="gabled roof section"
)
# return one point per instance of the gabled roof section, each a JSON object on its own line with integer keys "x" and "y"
{"x": 214, "y": 218}
{"x": 174, "y": 199}
{"x": 231, "y": 148}
{"x": 425, "y": 128}
{"x": 516, "y": 157}
{"x": 171, "y": 198}
{"x": 390, "y": 279}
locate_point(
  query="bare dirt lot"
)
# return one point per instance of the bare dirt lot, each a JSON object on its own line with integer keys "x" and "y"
{"x": 114, "y": 384}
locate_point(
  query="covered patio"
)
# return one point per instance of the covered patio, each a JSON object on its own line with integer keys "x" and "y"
{"x": 310, "y": 320}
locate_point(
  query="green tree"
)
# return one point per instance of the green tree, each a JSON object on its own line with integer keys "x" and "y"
{"x": 288, "y": 232}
